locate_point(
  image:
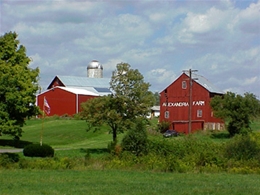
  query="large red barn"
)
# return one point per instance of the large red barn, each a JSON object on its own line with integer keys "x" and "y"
{"x": 175, "y": 99}
{"x": 65, "y": 93}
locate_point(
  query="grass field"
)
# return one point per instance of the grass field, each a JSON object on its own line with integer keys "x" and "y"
{"x": 69, "y": 133}
{"x": 70, "y": 139}
{"x": 112, "y": 182}
{"x": 62, "y": 133}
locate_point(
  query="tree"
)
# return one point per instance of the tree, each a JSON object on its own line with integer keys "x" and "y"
{"x": 157, "y": 98}
{"x": 236, "y": 110}
{"x": 128, "y": 85}
{"x": 130, "y": 99}
{"x": 104, "y": 110}
{"x": 18, "y": 86}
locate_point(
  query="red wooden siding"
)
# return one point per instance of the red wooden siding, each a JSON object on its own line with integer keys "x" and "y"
{"x": 62, "y": 102}
{"x": 178, "y": 106}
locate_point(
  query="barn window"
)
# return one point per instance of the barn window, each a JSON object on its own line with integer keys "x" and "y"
{"x": 184, "y": 84}
{"x": 199, "y": 113}
{"x": 166, "y": 114}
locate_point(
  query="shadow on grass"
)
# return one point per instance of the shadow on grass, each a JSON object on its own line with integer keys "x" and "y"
{"x": 14, "y": 143}
{"x": 94, "y": 150}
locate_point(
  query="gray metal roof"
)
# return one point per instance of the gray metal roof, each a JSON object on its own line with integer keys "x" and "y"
{"x": 79, "y": 91}
{"x": 156, "y": 108}
{"x": 205, "y": 83}
{"x": 73, "y": 81}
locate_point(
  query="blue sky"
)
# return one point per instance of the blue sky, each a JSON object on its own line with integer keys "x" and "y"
{"x": 220, "y": 39}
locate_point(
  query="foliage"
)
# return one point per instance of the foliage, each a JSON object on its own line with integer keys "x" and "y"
{"x": 136, "y": 140}
{"x": 236, "y": 110}
{"x": 114, "y": 148}
{"x": 37, "y": 150}
{"x": 129, "y": 87}
{"x": 18, "y": 86}
{"x": 6, "y": 159}
{"x": 163, "y": 126}
{"x": 157, "y": 98}
{"x": 243, "y": 148}
{"x": 130, "y": 99}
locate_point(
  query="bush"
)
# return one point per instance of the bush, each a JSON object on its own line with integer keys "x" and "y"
{"x": 37, "y": 150}
{"x": 242, "y": 147}
{"x": 6, "y": 159}
{"x": 163, "y": 126}
{"x": 136, "y": 141}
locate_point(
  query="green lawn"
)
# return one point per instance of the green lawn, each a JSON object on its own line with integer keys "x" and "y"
{"x": 124, "y": 182}
{"x": 72, "y": 134}
{"x": 62, "y": 133}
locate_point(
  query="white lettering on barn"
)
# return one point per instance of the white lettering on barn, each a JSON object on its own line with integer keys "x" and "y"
{"x": 181, "y": 104}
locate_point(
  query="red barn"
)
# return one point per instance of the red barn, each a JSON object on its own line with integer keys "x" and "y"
{"x": 65, "y": 93}
{"x": 175, "y": 104}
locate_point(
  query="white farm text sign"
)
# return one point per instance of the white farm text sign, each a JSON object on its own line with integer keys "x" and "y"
{"x": 181, "y": 104}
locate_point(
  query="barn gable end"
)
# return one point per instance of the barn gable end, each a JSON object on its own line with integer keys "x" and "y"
{"x": 174, "y": 104}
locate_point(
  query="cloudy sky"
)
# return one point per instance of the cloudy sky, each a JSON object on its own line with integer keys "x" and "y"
{"x": 219, "y": 38}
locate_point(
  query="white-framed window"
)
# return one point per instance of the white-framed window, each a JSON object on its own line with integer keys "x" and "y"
{"x": 199, "y": 113}
{"x": 184, "y": 85}
{"x": 166, "y": 114}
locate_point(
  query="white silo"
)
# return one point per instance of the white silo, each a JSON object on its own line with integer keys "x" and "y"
{"x": 95, "y": 69}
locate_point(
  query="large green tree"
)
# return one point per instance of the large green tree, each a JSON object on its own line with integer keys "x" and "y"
{"x": 18, "y": 86}
{"x": 236, "y": 110}
{"x": 130, "y": 99}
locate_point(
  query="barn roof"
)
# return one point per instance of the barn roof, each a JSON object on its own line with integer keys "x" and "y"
{"x": 73, "y": 81}
{"x": 79, "y": 91}
{"x": 206, "y": 84}
{"x": 156, "y": 108}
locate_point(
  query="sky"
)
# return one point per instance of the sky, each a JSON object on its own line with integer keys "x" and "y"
{"x": 219, "y": 38}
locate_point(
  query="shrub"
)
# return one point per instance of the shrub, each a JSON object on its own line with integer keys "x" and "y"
{"x": 37, "y": 150}
{"x": 161, "y": 147}
{"x": 242, "y": 147}
{"x": 6, "y": 159}
{"x": 136, "y": 141}
{"x": 163, "y": 126}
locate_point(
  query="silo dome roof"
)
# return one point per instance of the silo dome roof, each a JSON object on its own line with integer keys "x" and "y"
{"x": 94, "y": 64}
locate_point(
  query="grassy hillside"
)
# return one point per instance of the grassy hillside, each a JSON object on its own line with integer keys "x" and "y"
{"x": 63, "y": 133}
{"x": 69, "y": 133}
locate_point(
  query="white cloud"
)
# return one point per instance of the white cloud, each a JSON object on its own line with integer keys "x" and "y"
{"x": 250, "y": 81}
{"x": 248, "y": 20}
{"x": 161, "y": 75}
{"x": 202, "y": 23}
{"x": 160, "y": 38}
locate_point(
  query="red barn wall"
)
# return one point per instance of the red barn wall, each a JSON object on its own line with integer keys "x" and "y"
{"x": 178, "y": 106}
{"x": 62, "y": 102}
{"x": 83, "y": 98}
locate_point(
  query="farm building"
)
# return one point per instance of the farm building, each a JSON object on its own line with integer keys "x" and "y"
{"x": 154, "y": 112}
{"x": 65, "y": 93}
{"x": 175, "y": 103}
